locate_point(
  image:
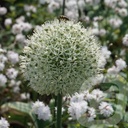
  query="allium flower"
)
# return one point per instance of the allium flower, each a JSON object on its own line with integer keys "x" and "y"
{"x": 60, "y": 57}
{"x": 4, "y": 123}
{"x": 41, "y": 110}
{"x": 106, "y": 109}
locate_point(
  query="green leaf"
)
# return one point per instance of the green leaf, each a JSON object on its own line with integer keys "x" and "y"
{"x": 20, "y": 108}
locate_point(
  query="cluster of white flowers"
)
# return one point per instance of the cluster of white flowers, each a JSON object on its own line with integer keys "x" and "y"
{"x": 88, "y": 104}
{"x": 120, "y": 65}
{"x": 4, "y": 123}
{"x": 19, "y": 27}
{"x": 8, "y": 73}
{"x": 42, "y": 111}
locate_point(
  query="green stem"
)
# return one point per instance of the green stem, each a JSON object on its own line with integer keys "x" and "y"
{"x": 63, "y": 7}
{"x": 59, "y": 110}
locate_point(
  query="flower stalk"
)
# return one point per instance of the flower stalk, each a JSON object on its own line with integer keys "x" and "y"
{"x": 59, "y": 110}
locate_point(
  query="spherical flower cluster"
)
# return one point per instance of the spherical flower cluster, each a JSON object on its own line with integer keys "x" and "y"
{"x": 41, "y": 110}
{"x": 4, "y": 123}
{"x": 60, "y": 57}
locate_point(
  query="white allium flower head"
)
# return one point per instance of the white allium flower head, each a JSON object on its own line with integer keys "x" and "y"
{"x": 13, "y": 57}
{"x": 8, "y": 22}
{"x": 77, "y": 109}
{"x": 106, "y": 109}
{"x": 42, "y": 111}
{"x": 3, "y": 10}
{"x": 60, "y": 57}
{"x": 11, "y": 73}
{"x": 3, "y": 80}
{"x": 125, "y": 40}
{"x": 4, "y": 123}
{"x": 121, "y": 64}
